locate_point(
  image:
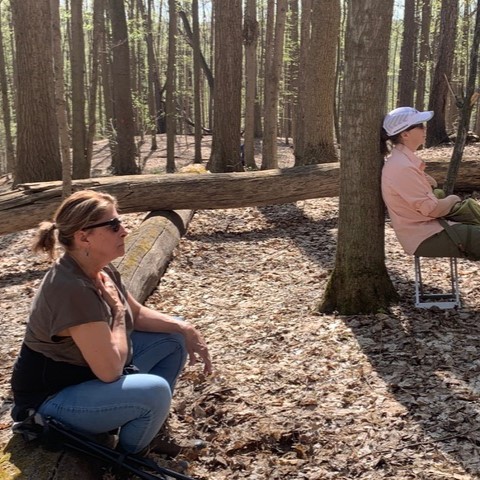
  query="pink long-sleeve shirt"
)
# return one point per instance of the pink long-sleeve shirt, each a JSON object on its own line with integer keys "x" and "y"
{"x": 411, "y": 204}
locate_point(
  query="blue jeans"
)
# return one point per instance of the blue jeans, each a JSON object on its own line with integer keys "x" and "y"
{"x": 138, "y": 404}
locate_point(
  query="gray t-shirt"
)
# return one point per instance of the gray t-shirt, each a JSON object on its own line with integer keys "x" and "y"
{"x": 68, "y": 297}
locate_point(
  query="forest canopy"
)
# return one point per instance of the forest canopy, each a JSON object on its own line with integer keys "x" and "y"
{"x": 129, "y": 70}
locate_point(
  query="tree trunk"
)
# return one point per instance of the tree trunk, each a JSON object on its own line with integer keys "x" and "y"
{"x": 31, "y": 203}
{"x": 436, "y": 129}
{"x": 359, "y": 282}
{"x": 38, "y": 153}
{"x": 137, "y": 76}
{"x": 197, "y": 92}
{"x": 273, "y": 65}
{"x": 106, "y": 69}
{"x": 424, "y": 55}
{"x": 291, "y": 69}
{"x": 225, "y": 155}
{"x": 299, "y": 138}
{"x": 203, "y": 63}
{"x": 124, "y": 153}
{"x": 466, "y": 110}
{"x": 61, "y": 108}
{"x": 171, "y": 110}
{"x": 250, "y": 36}
{"x": 151, "y": 69}
{"x": 7, "y": 123}
{"x": 406, "y": 75}
{"x": 81, "y": 169}
{"x": 319, "y": 136}
{"x": 95, "y": 59}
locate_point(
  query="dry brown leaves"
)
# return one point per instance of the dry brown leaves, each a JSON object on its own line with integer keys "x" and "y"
{"x": 302, "y": 396}
{"x": 297, "y": 395}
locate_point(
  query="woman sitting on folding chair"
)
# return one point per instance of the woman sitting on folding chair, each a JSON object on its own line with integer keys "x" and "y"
{"x": 92, "y": 357}
{"x": 407, "y": 191}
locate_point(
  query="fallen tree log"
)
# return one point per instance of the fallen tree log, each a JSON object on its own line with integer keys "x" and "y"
{"x": 26, "y": 206}
{"x": 149, "y": 250}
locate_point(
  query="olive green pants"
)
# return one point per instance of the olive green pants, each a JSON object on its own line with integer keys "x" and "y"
{"x": 442, "y": 245}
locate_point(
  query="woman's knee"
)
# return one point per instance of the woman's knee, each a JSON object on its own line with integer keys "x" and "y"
{"x": 147, "y": 389}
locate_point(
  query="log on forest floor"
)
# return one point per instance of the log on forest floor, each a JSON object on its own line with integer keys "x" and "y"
{"x": 148, "y": 252}
{"x": 29, "y": 204}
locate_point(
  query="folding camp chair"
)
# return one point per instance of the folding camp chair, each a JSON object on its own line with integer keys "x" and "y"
{"x": 444, "y": 300}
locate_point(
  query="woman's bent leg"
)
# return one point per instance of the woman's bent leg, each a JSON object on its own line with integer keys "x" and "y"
{"x": 138, "y": 404}
{"x": 161, "y": 354}
{"x": 441, "y": 245}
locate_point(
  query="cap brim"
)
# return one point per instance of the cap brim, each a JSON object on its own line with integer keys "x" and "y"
{"x": 421, "y": 117}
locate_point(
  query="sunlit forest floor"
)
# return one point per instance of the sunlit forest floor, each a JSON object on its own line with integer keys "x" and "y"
{"x": 295, "y": 394}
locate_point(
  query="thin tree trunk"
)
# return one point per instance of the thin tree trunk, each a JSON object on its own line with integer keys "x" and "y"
{"x": 80, "y": 167}
{"x": 151, "y": 69}
{"x": 338, "y": 76}
{"x": 291, "y": 79}
{"x": 250, "y": 36}
{"x": 7, "y": 125}
{"x": 436, "y": 128}
{"x": 466, "y": 110}
{"x": 60, "y": 100}
{"x": 170, "y": 89}
{"x": 206, "y": 69}
{"x": 106, "y": 72}
{"x": 424, "y": 56}
{"x": 299, "y": 139}
{"x": 273, "y": 64}
{"x": 196, "y": 83}
{"x": 406, "y": 76}
{"x": 95, "y": 59}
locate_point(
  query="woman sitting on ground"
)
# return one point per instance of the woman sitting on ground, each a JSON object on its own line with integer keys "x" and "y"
{"x": 407, "y": 191}
{"x": 92, "y": 356}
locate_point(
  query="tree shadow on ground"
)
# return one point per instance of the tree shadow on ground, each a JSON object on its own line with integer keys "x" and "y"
{"x": 22, "y": 277}
{"x": 430, "y": 364}
{"x": 428, "y": 359}
{"x": 292, "y": 223}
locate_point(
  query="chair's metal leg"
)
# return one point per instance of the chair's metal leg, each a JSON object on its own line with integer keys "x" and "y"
{"x": 440, "y": 300}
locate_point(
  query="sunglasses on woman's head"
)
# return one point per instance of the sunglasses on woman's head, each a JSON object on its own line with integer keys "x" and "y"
{"x": 114, "y": 224}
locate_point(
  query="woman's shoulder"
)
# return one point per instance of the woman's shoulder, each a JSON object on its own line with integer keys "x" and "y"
{"x": 64, "y": 275}
{"x": 395, "y": 163}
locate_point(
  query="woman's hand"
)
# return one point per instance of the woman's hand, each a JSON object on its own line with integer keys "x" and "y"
{"x": 196, "y": 345}
{"x": 109, "y": 292}
{"x": 431, "y": 180}
{"x": 149, "y": 320}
